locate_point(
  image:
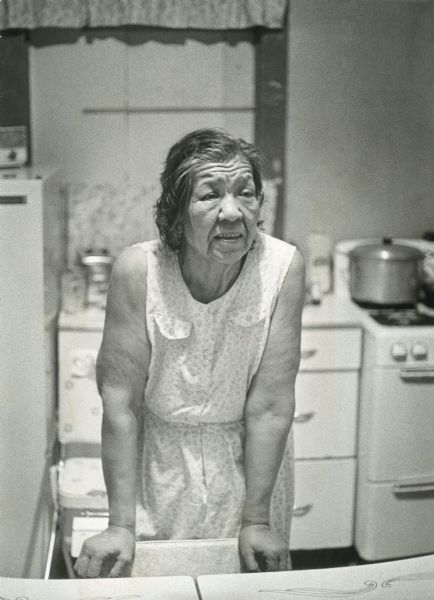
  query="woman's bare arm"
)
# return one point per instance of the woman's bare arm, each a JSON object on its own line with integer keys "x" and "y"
{"x": 122, "y": 366}
{"x": 268, "y": 416}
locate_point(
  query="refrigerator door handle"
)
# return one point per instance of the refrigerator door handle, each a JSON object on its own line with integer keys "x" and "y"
{"x": 413, "y": 488}
{"x": 13, "y": 199}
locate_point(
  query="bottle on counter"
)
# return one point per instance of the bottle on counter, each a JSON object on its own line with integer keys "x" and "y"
{"x": 319, "y": 264}
{"x": 73, "y": 290}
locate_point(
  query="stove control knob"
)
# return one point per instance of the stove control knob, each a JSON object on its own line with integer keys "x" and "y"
{"x": 399, "y": 351}
{"x": 419, "y": 351}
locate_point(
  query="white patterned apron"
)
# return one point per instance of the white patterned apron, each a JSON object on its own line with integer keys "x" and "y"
{"x": 203, "y": 359}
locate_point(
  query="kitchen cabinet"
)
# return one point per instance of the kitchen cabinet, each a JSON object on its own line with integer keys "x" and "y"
{"x": 80, "y": 406}
{"x": 325, "y": 424}
{"x": 325, "y": 432}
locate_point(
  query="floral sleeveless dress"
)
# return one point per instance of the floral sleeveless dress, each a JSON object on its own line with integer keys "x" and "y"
{"x": 203, "y": 359}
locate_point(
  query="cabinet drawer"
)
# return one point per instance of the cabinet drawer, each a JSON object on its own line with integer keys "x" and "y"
{"x": 80, "y": 406}
{"x": 325, "y": 414}
{"x": 324, "y": 504}
{"x": 323, "y": 349}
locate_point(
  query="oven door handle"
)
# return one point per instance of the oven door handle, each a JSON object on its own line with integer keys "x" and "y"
{"x": 417, "y": 374}
{"x": 413, "y": 488}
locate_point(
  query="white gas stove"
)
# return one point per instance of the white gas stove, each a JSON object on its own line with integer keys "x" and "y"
{"x": 404, "y": 338}
{"x": 395, "y": 482}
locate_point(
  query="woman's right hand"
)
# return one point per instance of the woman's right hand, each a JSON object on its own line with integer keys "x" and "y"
{"x": 107, "y": 554}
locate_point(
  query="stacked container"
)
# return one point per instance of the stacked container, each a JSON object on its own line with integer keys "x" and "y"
{"x": 82, "y": 496}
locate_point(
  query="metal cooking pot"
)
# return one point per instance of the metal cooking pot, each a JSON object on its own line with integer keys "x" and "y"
{"x": 385, "y": 274}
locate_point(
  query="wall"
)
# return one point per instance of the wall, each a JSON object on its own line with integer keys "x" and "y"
{"x": 361, "y": 91}
{"x": 14, "y": 97}
{"x": 108, "y": 104}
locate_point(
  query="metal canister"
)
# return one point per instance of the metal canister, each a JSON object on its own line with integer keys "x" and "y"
{"x": 98, "y": 266}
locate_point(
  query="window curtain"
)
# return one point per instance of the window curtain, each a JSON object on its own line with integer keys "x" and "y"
{"x": 178, "y": 14}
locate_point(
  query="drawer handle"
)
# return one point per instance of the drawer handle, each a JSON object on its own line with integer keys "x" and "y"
{"x": 413, "y": 488}
{"x": 82, "y": 375}
{"x": 301, "y": 511}
{"x": 417, "y": 374}
{"x": 303, "y": 417}
{"x": 83, "y": 367}
{"x": 308, "y": 353}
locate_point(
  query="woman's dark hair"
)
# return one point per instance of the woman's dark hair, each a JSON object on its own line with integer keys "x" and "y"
{"x": 190, "y": 152}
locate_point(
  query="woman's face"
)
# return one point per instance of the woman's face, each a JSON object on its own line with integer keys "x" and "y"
{"x": 220, "y": 222}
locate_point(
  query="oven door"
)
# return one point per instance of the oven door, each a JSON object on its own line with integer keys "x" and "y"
{"x": 399, "y": 421}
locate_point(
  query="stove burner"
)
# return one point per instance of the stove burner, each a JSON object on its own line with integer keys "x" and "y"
{"x": 402, "y": 317}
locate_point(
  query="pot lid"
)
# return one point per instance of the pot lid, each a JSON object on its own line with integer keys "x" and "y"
{"x": 387, "y": 251}
{"x": 91, "y": 258}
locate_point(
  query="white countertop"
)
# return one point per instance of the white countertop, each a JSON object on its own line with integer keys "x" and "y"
{"x": 332, "y": 312}
{"x": 90, "y": 319}
{"x": 139, "y": 588}
{"x": 409, "y": 579}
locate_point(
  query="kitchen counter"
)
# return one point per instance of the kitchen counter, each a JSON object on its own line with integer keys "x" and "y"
{"x": 332, "y": 312}
{"x": 90, "y": 319}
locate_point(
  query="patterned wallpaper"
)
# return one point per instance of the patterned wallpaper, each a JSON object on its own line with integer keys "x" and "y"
{"x": 113, "y": 217}
{"x": 106, "y": 216}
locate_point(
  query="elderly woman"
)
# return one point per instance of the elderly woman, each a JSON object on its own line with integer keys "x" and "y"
{"x": 197, "y": 368}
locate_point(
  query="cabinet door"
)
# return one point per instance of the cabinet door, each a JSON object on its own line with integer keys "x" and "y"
{"x": 328, "y": 349}
{"x": 326, "y": 414}
{"x": 80, "y": 406}
{"x": 324, "y": 504}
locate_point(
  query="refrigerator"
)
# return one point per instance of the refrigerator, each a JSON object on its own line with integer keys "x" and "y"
{"x": 32, "y": 258}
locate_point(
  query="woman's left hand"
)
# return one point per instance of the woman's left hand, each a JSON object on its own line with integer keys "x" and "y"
{"x": 262, "y": 549}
